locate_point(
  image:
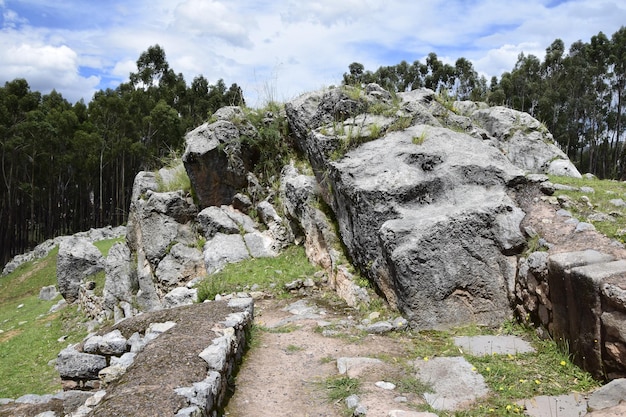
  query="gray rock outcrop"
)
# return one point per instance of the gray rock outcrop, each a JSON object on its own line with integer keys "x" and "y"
{"x": 78, "y": 259}
{"x": 161, "y": 234}
{"x": 424, "y": 211}
{"x": 524, "y": 140}
{"x": 311, "y": 226}
{"x": 216, "y": 159}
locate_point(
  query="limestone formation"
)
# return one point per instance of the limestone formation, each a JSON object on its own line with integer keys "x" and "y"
{"x": 424, "y": 212}
{"x": 216, "y": 159}
{"x": 77, "y": 260}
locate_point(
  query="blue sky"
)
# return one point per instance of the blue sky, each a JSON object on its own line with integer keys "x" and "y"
{"x": 278, "y": 49}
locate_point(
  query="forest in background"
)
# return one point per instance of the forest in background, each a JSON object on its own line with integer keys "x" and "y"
{"x": 67, "y": 168}
{"x": 70, "y": 167}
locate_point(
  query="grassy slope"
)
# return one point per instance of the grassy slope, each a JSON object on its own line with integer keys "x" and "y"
{"x": 29, "y": 338}
{"x": 25, "y": 349}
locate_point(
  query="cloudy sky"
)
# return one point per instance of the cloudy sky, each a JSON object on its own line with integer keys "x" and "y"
{"x": 281, "y": 48}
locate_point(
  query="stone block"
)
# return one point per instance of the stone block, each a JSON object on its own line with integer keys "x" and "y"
{"x": 72, "y": 364}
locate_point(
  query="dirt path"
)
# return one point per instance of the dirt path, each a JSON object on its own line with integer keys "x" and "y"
{"x": 286, "y": 371}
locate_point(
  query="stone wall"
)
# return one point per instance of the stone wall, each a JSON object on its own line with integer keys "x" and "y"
{"x": 580, "y": 299}
{"x": 101, "y": 360}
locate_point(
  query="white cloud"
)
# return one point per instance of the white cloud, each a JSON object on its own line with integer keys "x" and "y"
{"x": 208, "y": 18}
{"x": 286, "y": 46}
{"x": 45, "y": 68}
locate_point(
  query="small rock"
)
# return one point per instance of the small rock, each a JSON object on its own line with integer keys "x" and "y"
{"x": 374, "y": 315}
{"x": 401, "y": 399}
{"x": 587, "y": 190}
{"x": 385, "y": 385}
{"x": 617, "y": 202}
{"x": 361, "y": 410}
{"x": 399, "y": 323}
{"x": 379, "y": 327}
{"x": 609, "y": 395}
{"x": 20, "y": 306}
{"x": 352, "y": 401}
{"x": 294, "y": 285}
{"x": 48, "y": 293}
{"x": 563, "y": 213}
{"x": 584, "y": 226}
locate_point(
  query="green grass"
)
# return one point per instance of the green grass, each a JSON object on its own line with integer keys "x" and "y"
{"x": 341, "y": 387}
{"x": 605, "y": 190}
{"x": 269, "y": 274}
{"x": 510, "y": 378}
{"x": 29, "y": 338}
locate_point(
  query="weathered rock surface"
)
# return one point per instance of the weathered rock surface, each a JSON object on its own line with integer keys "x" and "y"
{"x": 78, "y": 259}
{"x": 525, "y": 141}
{"x": 423, "y": 211}
{"x": 121, "y": 283}
{"x": 43, "y": 249}
{"x": 309, "y": 224}
{"x": 216, "y": 159}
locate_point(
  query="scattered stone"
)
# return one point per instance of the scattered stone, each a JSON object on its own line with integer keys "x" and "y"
{"x": 47, "y": 414}
{"x": 112, "y": 343}
{"x": 72, "y": 364}
{"x": 34, "y": 399}
{"x": 609, "y": 395}
{"x": 388, "y": 386}
{"x": 111, "y": 374}
{"x": 584, "y": 227}
{"x": 399, "y": 323}
{"x": 58, "y": 306}
{"x": 353, "y": 367}
{"x": 78, "y": 259}
{"x": 294, "y": 285}
{"x": 572, "y": 405}
{"x": 562, "y": 187}
{"x": 600, "y": 217}
{"x": 618, "y": 202}
{"x": 453, "y": 381}
{"x": 352, "y": 401}
{"x": 48, "y": 293}
{"x": 563, "y": 213}
{"x": 360, "y": 410}
{"x": 379, "y": 327}
{"x": 180, "y": 296}
{"x": 490, "y": 345}
{"x": 125, "y": 360}
{"x": 155, "y": 329}
{"x": 587, "y": 190}
{"x": 563, "y": 167}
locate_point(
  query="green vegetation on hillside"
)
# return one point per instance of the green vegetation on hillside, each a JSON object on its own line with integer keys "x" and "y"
{"x": 30, "y": 337}
{"x": 266, "y": 274}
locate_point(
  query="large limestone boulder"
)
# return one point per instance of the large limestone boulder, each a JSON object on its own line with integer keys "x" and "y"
{"x": 78, "y": 259}
{"x": 216, "y": 159}
{"x": 424, "y": 211}
{"x": 154, "y": 223}
{"x": 157, "y": 223}
{"x": 525, "y": 141}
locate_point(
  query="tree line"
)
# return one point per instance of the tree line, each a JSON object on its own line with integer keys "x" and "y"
{"x": 579, "y": 94}
{"x": 70, "y": 167}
